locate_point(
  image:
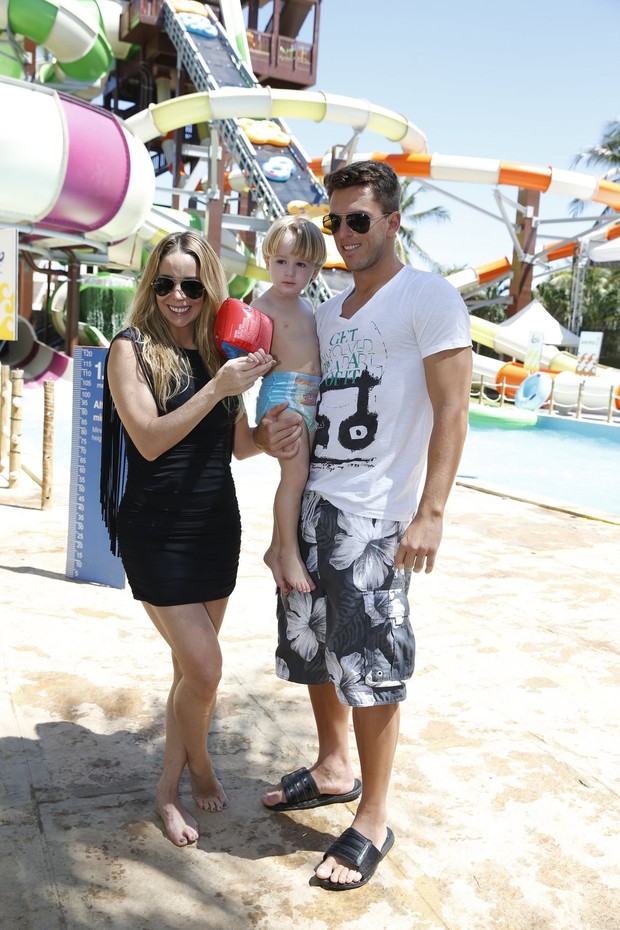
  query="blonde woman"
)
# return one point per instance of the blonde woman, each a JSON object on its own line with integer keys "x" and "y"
{"x": 173, "y": 415}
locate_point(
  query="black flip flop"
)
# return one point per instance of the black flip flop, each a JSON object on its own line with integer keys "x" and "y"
{"x": 302, "y": 793}
{"x": 359, "y": 853}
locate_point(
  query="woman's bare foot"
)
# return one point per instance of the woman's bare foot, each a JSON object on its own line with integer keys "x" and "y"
{"x": 295, "y": 573}
{"x": 272, "y": 562}
{"x": 181, "y": 828}
{"x": 208, "y": 793}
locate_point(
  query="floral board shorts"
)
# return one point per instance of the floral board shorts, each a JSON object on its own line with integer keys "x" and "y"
{"x": 353, "y": 629}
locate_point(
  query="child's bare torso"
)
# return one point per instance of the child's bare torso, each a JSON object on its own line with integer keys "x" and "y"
{"x": 294, "y": 345}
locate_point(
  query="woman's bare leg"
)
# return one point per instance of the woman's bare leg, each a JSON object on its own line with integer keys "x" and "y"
{"x": 182, "y": 828}
{"x": 192, "y": 633}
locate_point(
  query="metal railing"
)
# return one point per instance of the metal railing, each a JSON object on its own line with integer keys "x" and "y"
{"x": 490, "y": 394}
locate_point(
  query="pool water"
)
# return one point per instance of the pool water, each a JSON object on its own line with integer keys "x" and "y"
{"x": 555, "y": 461}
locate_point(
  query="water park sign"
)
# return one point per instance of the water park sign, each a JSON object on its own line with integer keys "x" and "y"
{"x": 588, "y": 353}
{"x": 88, "y": 547}
{"x": 533, "y": 355}
{"x": 8, "y": 284}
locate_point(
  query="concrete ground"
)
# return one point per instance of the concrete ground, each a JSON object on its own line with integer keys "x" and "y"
{"x": 505, "y": 792}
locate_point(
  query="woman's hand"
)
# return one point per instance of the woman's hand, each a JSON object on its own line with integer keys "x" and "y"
{"x": 260, "y": 356}
{"x": 153, "y": 433}
{"x": 239, "y": 374}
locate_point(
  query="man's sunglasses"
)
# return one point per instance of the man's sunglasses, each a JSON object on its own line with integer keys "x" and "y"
{"x": 163, "y": 285}
{"x": 358, "y": 222}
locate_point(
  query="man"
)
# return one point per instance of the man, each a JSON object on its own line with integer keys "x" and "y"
{"x": 391, "y": 423}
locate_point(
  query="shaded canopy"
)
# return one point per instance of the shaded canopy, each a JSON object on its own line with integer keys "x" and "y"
{"x": 536, "y": 318}
{"x": 607, "y": 253}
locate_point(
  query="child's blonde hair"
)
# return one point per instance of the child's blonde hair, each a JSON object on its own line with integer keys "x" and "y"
{"x": 309, "y": 240}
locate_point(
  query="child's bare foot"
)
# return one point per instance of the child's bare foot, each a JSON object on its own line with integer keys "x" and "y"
{"x": 181, "y": 828}
{"x": 208, "y": 793}
{"x": 296, "y": 574}
{"x": 272, "y": 561}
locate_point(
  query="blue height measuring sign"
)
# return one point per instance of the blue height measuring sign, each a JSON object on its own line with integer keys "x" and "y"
{"x": 89, "y": 557}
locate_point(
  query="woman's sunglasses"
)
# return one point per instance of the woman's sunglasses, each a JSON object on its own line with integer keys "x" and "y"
{"x": 163, "y": 285}
{"x": 358, "y": 222}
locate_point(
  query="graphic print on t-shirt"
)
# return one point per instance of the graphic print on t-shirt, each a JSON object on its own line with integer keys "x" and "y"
{"x": 348, "y": 416}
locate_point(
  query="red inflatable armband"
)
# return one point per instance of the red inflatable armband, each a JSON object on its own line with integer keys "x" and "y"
{"x": 240, "y": 329}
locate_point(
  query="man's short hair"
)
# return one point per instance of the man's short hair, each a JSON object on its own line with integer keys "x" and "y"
{"x": 378, "y": 178}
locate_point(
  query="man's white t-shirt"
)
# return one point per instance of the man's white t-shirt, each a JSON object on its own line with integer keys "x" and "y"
{"x": 374, "y": 414}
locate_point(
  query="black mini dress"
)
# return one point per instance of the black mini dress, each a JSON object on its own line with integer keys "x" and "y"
{"x": 178, "y": 527}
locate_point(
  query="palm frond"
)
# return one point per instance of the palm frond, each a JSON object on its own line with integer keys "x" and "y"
{"x": 412, "y": 218}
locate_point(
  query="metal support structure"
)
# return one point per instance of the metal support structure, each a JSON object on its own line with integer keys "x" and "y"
{"x": 523, "y": 257}
{"x": 581, "y": 261}
{"x": 73, "y": 305}
{"x": 518, "y": 248}
{"x": 592, "y": 236}
{"x": 343, "y": 154}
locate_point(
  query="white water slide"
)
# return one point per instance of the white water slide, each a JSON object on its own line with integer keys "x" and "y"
{"x": 92, "y": 181}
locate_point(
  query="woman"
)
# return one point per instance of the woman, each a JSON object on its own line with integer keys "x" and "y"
{"x": 174, "y": 408}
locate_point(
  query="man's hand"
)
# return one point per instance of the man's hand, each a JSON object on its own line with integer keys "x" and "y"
{"x": 419, "y": 544}
{"x": 278, "y": 436}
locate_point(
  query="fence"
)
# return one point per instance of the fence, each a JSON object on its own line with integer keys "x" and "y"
{"x": 11, "y": 411}
{"x": 492, "y": 394}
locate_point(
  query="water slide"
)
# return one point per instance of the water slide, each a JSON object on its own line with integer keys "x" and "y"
{"x": 89, "y": 150}
{"x": 74, "y": 35}
{"x": 474, "y": 170}
{"x": 94, "y": 190}
{"x": 595, "y": 391}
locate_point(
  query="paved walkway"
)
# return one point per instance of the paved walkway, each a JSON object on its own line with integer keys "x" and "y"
{"x": 505, "y": 793}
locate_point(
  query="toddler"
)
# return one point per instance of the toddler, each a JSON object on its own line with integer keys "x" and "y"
{"x": 294, "y": 250}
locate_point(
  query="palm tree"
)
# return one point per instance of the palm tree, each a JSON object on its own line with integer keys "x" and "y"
{"x": 600, "y": 305}
{"x": 489, "y": 302}
{"x": 412, "y": 217}
{"x": 604, "y": 154}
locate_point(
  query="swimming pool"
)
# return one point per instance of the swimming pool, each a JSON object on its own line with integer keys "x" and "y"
{"x": 558, "y": 461}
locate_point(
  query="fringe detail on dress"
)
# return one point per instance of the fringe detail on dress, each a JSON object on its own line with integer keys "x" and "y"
{"x": 113, "y": 455}
{"x": 113, "y": 463}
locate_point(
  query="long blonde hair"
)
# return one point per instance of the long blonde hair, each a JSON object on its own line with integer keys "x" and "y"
{"x": 167, "y": 362}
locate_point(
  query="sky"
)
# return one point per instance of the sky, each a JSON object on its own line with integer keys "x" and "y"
{"x": 532, "y": 81}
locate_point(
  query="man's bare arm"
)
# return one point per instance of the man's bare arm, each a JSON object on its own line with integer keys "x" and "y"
{"x": 448, "y": 379}
{"x": 278, "y": 436}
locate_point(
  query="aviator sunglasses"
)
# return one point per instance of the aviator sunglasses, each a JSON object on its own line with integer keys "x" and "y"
{"x": 358, "y": 222}
{"x": 163, "y": 285}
